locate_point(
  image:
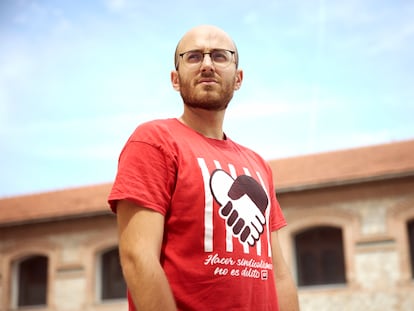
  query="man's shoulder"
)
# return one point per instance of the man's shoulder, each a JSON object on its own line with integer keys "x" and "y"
{"x": 157, "y": 124}
{"x": 154, "y": 127}
{"x": 252, "y": 154}
{"x": 248, "y": 150}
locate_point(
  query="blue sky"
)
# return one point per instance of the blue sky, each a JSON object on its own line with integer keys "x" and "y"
{"x": 76, "y": 78}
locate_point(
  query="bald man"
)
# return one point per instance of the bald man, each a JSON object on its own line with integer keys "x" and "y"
{"x": 197, "y": 213}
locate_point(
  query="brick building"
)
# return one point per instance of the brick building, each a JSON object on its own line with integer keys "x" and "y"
{"x": 349, "y": 242}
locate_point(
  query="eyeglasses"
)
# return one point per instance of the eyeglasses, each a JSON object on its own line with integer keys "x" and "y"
{"x": 220, "y": 57}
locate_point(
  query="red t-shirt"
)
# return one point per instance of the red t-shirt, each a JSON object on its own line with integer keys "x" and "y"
{"x": 219, "y": 206}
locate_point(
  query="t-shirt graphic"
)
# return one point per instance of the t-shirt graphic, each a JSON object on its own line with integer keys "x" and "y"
{"x": 243, "y": 204}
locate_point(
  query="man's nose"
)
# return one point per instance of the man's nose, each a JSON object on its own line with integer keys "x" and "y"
{"x": 207, "y": 62}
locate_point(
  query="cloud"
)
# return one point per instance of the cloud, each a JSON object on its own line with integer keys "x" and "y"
{"x": 99, "y": 137}
{"x": 259, "y": 109}
{"x": 116, "y": 5}
{"x": 62, "y": 25}
{"x": 289, "y": 100}
{"x": 250, "y": 18}
{"x": 4, "y": 103}
{"x": 16, "y": 69}
{"x": 15, "y": 62}
{"x": 74, "y": 130}
{"x": 393, "y": 39}
{"x": 356, "y": 26}
{"x": 88, "y": 152}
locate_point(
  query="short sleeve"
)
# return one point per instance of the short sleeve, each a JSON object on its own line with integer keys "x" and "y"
{"x": 146, "y": 176}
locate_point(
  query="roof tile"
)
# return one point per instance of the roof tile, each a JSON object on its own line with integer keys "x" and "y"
{"x": 343, "y": 166}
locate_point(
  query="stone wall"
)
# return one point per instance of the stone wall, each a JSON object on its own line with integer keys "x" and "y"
{"x": 72, "y": 247}
{"x": 373, "y": 217}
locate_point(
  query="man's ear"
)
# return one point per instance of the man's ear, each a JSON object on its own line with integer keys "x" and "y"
{"x": 238, "y": 79}
{"x": 175, "y": 80}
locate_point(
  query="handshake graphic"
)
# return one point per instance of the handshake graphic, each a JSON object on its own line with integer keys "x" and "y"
{"x": 243, "y": 203}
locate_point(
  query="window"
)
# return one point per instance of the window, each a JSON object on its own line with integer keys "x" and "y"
{"x": 320, "y": 256}
{"x": 32, "y": 281}
{"x": 410, "y": 227}
{"x": 112, "y": 282}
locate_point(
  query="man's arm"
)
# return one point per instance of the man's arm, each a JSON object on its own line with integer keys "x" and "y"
{"x": 286, "y": 288}
{"x": 140, "y": 239}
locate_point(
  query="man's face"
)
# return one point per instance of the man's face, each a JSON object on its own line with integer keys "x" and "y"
{"x": 206, "y": 85}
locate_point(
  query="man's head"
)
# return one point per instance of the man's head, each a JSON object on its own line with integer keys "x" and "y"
{"x": 207, "y": 74}
{"x": 210, "y": 30}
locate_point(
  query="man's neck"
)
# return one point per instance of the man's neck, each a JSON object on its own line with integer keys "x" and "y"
{"x": 206, "y": 122}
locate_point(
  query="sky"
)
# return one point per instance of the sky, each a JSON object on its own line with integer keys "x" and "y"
{"x": 77, "y": 77}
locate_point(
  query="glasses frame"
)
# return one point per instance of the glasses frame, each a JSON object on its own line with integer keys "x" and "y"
{"x": 209, "y": 53}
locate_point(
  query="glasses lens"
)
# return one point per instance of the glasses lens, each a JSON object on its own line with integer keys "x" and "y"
{"x": 218, "y": 57}
{"x": 193, "y": 57}
{"x": 221, "y": 57}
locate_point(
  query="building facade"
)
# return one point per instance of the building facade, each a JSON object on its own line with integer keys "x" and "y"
{"x": 349, "y": 239}
{"x": 351, "y": 221}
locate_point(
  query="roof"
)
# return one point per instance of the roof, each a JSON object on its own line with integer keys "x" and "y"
{"x": 349, "y": 166}
{"x": 290, "y": 174}
{"x": 62, "y": 204}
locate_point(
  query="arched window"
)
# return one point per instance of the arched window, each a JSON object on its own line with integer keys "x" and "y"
{"x": 320, "y": 256}
{"x": 410, "y": 227}
{"x": 31, "y": 279}
{"x": 112, "y": 284}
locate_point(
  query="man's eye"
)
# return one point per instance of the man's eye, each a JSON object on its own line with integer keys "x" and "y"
{"x": 219, "y": 56}
{"x": 193, "y": 57}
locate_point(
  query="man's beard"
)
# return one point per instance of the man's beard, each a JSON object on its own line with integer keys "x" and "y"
{"x": 208, "y": 98}
{"x": 207, "y": 102}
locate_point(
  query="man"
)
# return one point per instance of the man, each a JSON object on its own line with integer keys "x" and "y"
{"x": 197, "y": 213}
